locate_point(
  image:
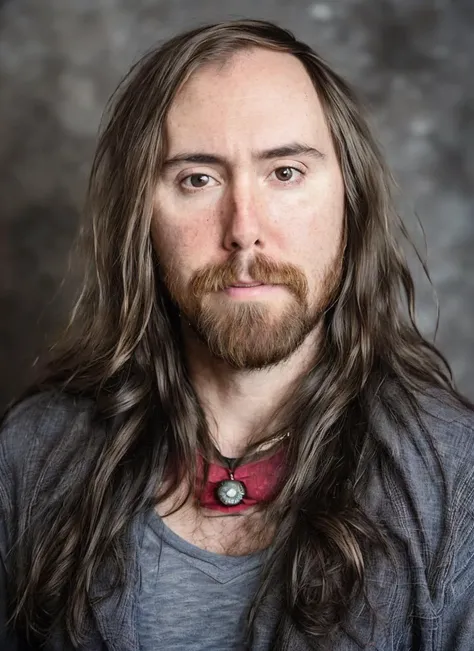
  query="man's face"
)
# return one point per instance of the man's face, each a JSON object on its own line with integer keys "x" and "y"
{"x": 249, "y": 207}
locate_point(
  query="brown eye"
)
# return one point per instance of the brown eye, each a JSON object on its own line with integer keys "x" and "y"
{"x": 284, "y": 173}
{"x": 198, "y": 180}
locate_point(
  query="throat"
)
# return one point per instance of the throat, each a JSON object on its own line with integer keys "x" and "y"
{"x": 227, "y": 514}
{"x": 231, "y": 487}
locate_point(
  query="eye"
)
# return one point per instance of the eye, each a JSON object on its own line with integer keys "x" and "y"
{"x": 196, "y": 181}
{"x": 286, "y": 174}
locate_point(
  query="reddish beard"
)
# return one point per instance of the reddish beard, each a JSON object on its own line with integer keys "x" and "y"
{"x": 253, "y": 334}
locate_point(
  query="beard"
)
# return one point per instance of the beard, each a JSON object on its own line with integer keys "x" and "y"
{"x": 253, "y": 334}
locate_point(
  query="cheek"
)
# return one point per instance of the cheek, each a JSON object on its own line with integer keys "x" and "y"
{"x": 182, "y": 245}
{"x": 315, "y": 231}
{"x": 314, "y": 228}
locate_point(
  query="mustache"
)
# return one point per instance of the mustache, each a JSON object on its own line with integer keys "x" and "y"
{"x": 262, "y": 269}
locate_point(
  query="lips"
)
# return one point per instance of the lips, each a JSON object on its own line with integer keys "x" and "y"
{"x": 246, "y": 285}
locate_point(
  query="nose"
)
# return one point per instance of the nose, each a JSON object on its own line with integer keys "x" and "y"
{"x": 243, "y": 219}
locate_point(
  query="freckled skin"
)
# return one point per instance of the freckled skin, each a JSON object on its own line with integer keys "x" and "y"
{"x": 258, "y": 100}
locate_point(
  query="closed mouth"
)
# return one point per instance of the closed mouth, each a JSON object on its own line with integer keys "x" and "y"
{"x": 246, "y": 285}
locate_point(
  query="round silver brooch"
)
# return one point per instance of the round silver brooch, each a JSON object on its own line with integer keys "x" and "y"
{"x": 230, "y": 492}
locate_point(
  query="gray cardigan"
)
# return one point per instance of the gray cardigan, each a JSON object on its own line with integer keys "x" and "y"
{"x": 421, "y": 486}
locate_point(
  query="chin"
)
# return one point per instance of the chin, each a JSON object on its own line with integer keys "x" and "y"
{"x": 257, "y": 347}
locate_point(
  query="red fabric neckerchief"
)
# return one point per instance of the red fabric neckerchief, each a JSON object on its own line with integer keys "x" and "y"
{"x": 260, "y": 479}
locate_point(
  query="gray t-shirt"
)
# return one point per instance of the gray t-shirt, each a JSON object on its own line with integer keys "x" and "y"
{"x": 192, "y": 599}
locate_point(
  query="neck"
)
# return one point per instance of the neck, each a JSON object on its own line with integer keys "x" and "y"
{"x": 239, "y": 404}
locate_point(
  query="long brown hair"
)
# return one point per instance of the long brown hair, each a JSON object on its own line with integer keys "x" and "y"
{"x": 122, "y": 349}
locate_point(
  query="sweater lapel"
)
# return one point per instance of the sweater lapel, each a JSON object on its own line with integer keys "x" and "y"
{"x": 115, "y": 616}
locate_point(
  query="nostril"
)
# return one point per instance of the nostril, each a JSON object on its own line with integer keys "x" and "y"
{"x": 236, "y": 243}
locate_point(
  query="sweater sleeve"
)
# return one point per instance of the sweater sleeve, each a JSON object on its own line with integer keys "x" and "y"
{"x": 458, "y": 613}
{"x": 27, "y": 434}
{"x": 8, "y": 639}
{"x": 8, "y": 441}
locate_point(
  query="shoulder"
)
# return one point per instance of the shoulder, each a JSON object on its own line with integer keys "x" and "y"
{"x": 51, "y": 408}
{"x": 435, "y": 434}
{"x": 450, "y": 425}
{"x": 42, "y": 429}
{"x": 420, "y": 487}
{"x": 449, "y": 428}
{"x": 423, "y": 477}
{"x": 41, "y": 419}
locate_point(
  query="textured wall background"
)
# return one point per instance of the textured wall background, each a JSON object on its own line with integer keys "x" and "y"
{"x": 411, "y": 60}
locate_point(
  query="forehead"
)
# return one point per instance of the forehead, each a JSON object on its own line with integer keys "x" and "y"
{"x": 258, "y": 98}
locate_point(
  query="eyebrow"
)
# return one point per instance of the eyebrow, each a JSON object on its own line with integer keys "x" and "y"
{"x": 285, "y": 151}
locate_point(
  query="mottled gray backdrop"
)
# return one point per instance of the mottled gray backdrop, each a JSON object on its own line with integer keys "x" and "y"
{"x": 411, "y": 60}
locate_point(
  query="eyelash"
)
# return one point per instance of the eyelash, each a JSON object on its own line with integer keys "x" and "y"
{"x": 191, "y": 190}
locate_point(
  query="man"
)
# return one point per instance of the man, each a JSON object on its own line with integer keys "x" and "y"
{"x": 243, "y": 441}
